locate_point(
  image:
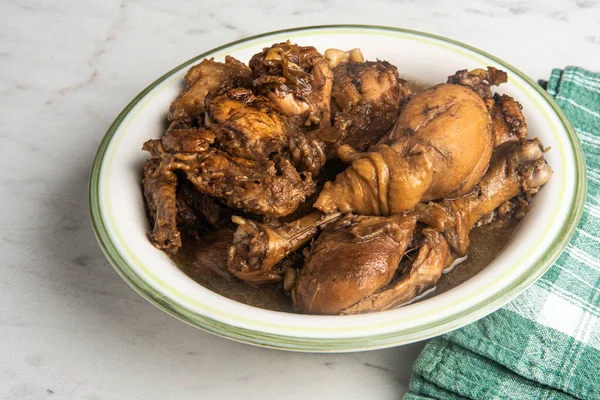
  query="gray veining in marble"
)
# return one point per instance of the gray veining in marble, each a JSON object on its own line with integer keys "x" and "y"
{"x": 70, "y": 328}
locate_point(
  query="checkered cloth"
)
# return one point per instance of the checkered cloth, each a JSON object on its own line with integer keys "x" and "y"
{"x": 546, "y": 343}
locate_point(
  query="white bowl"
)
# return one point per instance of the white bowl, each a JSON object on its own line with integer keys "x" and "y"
{"x": 120, "y": 222}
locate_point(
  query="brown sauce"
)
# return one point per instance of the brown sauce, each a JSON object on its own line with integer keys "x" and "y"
{"x": 487, "y": 242}
{"x": 205, "y": 261}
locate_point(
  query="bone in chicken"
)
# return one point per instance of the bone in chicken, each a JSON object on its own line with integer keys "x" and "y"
{"x": 273, "y": 188}
{"x": 366, "y": 99}
{"x": 517, "y": 170}
{"x": 297, "y": 79}
{"x": 173, "y": 204}
{"x": 246, "y": 125}
{"x": 206, "y": 78}
{"x": 423, "y": 158}
{"x": 508, "y": 122}
{"x": 160, "y": 201}
{"x": 258, "y": 248}
{"x": 351, "y": 260}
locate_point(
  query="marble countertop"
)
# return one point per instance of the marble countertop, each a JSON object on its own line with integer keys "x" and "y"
{"x": 70, "y": 327}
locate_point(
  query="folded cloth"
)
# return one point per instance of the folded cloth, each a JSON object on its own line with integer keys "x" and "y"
{"x": 546, "y": 343}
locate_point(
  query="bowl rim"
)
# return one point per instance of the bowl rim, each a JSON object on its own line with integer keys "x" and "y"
{"x": 358, "y": 343}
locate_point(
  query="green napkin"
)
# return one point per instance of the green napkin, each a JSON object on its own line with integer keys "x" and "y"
{"x": 546, "y": 343}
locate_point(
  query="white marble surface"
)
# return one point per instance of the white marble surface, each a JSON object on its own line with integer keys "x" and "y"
{"x": 70, "y": 328}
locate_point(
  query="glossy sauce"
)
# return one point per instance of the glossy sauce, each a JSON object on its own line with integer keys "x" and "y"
{"x": 205, "y": 261}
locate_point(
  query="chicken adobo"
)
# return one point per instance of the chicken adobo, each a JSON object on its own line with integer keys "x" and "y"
{"x": 244, "y": 175}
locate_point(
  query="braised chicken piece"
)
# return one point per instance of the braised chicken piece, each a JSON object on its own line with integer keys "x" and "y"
{"x": 297, "y": 79}
{"x": 423, "y": 158}
{"x": 173, "y": 204}
{"x": 480, "y": 80}
{"x": 368, "y": 97}
{"x": 352, "y": 259}
{"x": 258, "y": 248}
{"x": 432, "y": 258}
{"x": 273, "y": 188}
{"x": 209, "y": 257}
{"x": 246, "y": 125}
{"x": 335, "y": 279}
{"x": 517, "y": 172}
{"x": 366, "y": 100}
{"x": 508, "y": 122}
{"x": 197, "y": 212}
{"x": 206, "y": 78}
{"x": 161, "y": 205}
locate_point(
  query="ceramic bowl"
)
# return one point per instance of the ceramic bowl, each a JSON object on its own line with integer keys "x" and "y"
{"x": 120, "y": 223}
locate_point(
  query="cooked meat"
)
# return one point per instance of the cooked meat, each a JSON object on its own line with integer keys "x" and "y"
{"x": 206, "y": 78}
{"x": 423, "y": 158}
{"x": 197, "y": 212}
{"x": 210, "y": 254}
{"x": 433, "y": 257}
{"x": 258, "y": 248}
{"x": 273, "y": 188}
{"x": 368, "y": 96}
{"x": 297, "y": 79}
{"x": 352, "y": 259}
{"x": 517, "y": 171}
{"x": 249, "y": 140}
{"x": 161, "y": 206}
{"x": 188, "y": 140}
{"x": 479, "y": 80}
{"x": 352, "y": 262}
{"x": 508, "y": 122}
{"x": 246, "y": 125}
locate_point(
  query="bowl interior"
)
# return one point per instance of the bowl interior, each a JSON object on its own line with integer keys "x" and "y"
{"x": 121, "y": 225}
